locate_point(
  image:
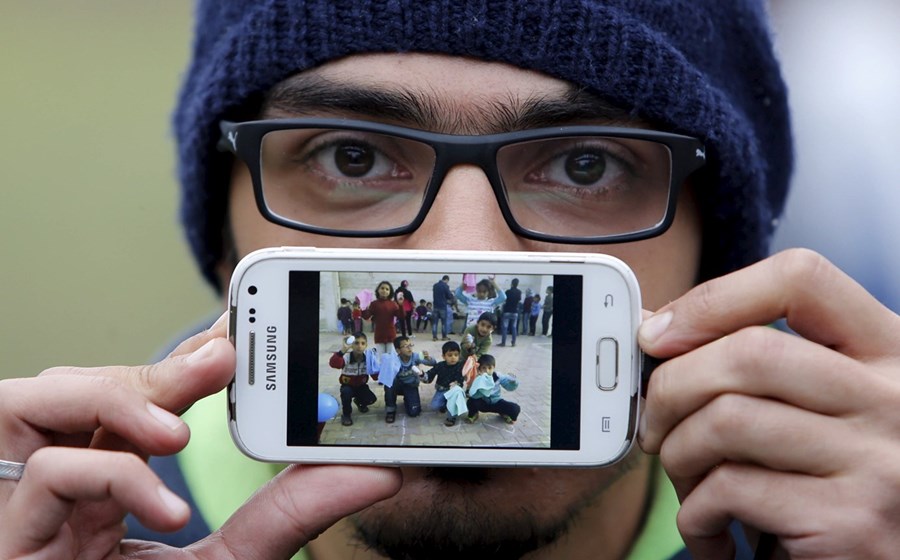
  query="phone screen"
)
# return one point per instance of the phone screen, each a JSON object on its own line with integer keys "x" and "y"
{"x": 540, "y": 373}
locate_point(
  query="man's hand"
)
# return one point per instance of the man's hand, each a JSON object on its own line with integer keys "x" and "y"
{"x": 85, "y": 434}
{"x": 798, "y": 436}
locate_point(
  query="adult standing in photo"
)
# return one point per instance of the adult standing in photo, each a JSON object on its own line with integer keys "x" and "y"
{"x": 548, "y": 312}
{"x": 509, "y": 321}
{"x": 441, "y": 297}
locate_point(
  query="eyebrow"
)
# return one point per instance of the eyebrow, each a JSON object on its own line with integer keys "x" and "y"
{"x": 312, "y": 95}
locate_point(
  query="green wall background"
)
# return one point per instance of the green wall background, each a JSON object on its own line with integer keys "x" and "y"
{"x": 93, "y": 267}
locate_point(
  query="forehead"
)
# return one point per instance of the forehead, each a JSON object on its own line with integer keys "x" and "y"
{"x": 438, "y": 92}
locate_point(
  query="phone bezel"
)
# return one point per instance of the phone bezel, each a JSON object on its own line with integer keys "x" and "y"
{"x": 265, "y": 439}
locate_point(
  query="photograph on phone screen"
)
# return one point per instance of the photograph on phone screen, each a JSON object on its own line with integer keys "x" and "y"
{"x": 443, "y": 360}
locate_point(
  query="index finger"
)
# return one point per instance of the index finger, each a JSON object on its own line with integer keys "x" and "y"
{"x": 194, "y": 343}
{"x": 176, "y": 382}
{"x": 819, "y": 302}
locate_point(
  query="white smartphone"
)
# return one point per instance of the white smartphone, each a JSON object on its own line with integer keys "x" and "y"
{"x": 575, "y": 390}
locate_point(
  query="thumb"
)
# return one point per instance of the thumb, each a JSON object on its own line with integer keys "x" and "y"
{"x": 295, "y": 507}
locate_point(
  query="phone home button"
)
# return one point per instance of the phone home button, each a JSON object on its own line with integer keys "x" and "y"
{"x": 607, "y": 363}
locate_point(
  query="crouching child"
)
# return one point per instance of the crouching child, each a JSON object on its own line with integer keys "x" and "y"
{"x": 449, "y": 375}
{"x": 356, "y": 362}
{"x": 484, "y": 393}
{"x": 403, "y": 379}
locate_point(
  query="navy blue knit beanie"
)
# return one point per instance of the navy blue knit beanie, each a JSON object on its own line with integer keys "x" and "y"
{"x": 704, "y": 68}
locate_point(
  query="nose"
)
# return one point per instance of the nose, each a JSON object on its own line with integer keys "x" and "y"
{"x": 465, "y": 215}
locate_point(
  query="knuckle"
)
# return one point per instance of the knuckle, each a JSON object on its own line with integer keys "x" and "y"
{"x": 107, "y": 385}
{"x": 118, "y": 399}
{"x": 659, "y": 388}
{"x": 143, "y": 378}
{"x": 707, "y": 299}
{"x": 686, "y": 522}
{"x": 43, "y": 460}
{"x": 672, "y": 457}
{"x": 128, "y": 462}
{"x": 286, "y": 504}
{"x": 747, "y": 349}
{"x": 803, "y": 266}
{"x": 726, "y": 414}
{"x": 655, "y": 410}
{"x": 723, "y": 481}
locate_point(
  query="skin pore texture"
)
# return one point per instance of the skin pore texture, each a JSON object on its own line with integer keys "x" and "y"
{"x": 591, "y": 513}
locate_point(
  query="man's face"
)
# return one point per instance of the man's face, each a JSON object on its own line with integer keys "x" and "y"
{"x": 484, "y": 328}
{"x": 451, "y": 357}
{"x": 440, "y": 509}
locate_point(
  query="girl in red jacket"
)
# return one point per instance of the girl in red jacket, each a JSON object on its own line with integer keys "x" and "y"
{"x": 384, "y": 311}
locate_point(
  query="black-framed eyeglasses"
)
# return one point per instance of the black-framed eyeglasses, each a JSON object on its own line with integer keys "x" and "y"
{"x": 570, "y": 184}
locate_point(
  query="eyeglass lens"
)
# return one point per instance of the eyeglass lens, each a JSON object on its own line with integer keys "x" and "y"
{"x": 584, "y": 186}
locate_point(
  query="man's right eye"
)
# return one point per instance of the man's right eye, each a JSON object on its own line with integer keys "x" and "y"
{"x": 354, "y": 160}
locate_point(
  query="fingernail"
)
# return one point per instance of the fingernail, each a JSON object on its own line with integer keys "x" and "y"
{"x": 201, "y": 353}
{"x": 655, "y": 326}
{"x": 164, "y": 417}
{"x": 173, "y": 503}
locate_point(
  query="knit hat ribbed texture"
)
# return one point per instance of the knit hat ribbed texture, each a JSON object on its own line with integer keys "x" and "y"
{"x": 704, "y": 68}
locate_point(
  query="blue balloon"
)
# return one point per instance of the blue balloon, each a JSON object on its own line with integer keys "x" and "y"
{"x": 328, "y": 407}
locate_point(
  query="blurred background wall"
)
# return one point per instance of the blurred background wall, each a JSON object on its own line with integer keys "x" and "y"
{"x": 840, "y": 60}
{"x": 93, "y": 269}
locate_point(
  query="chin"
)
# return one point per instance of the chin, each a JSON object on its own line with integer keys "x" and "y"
{"x": 478, "y": 512}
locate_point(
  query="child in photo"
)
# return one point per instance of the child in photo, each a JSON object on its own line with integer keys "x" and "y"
{"x": 357, "y": 363}
{"x": 421, "y": 316}
{"x": 484, "y": 394}
{"x": 535, "y": 311}
{"x": 487, "y": 296}
{"x": 404, "y": 379}
{"x": 402, "y": 303}
{"x": 448, "y": 374}
{"x": 408, "y": 304}
{"x": 476, "y": 339}
{"x": 345, "y": 317}
{"x": 356, "y": 314}
{"x": 525, "y": 315}
{"x": 384, "y": 312}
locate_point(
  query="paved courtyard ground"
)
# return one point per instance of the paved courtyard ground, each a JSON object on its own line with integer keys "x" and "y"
{"x": 529, "y": 360}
